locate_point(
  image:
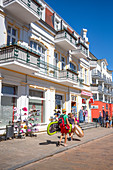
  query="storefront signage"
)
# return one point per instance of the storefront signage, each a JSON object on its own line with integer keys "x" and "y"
{"x": 86, "y": 93}
{"x": 94, "y": 107}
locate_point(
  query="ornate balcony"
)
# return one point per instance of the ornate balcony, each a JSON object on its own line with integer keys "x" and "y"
{"x": 26, "y": 11}
{"x": 97, "y": 75}
{"x": 82, "y": 49}
{"x": 68, "y": 77}
{"x": 93, "y": 64}
{"x": 65, "y": 40}
{"x": 96, "y": 87}
{"x": 79, "y": 53}
{"x": 19, "y": 58}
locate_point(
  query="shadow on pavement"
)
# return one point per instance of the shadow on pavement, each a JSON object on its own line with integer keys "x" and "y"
{"x": 76, "y": 139}
{"x": 48, "y": 142}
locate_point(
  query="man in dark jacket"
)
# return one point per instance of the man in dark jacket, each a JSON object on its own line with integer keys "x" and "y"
{"x": 104, "y": 116}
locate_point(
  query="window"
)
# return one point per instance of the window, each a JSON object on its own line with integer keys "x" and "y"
{"x": 85, "y": 76}
{"x": 81, "y": 75}
{"x": 38, "y": 48}
{"x": 95, "y": 96}
{"x": 55, "y": 59}
{"x": 57, "y": 25}
{"x": 73, "y": 67}
{"x": 63, "y": 63}
{"x": 10, "y": 90}
{"x": 8, "y": 102}
{"x": 58, "y": 102}
{"x": 103, "y": 65}
{"x": 11, "y": 35}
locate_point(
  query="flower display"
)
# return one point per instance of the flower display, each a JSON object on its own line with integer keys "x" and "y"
{"x": 24, "y": 109}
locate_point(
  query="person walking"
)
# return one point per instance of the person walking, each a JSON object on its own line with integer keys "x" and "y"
{"x": 110, "y": 121}
{"x": 100, "y": 118}
{"x": 86, "y": 116}
{"x": 81, "y": 119}
{"x": 72, "y": 121}
{"x": 104, "y": 116}
{"x": 107, "y": 120}
{"x": 64, "y": 128}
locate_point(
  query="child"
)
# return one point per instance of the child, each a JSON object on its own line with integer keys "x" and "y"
{"x": 72, "y": 121}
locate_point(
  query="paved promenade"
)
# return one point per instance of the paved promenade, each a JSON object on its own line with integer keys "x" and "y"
{"x": 94, "y": 155}
{"x": 19, "y": 152}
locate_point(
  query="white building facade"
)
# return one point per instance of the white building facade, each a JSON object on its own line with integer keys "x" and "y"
{"x": 44, "y": 63}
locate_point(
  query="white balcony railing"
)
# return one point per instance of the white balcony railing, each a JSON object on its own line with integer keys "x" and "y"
{"x": 26, "y": 10}
{"x": 65, "y": 40}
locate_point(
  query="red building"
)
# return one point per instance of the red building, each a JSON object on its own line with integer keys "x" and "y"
{"x": 97, "y": 106}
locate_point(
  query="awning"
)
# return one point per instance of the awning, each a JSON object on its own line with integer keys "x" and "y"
{"x": 86, "y": 93}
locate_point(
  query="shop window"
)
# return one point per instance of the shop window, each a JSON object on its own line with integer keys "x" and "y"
{"x": 7, "y": 89}
{"x": 7, "y": 105}
{"x": 58, "y": 102}
{"x": 37, "y": 105}
{"x": 8, "y": 102}
{"x": 34, "y": 93}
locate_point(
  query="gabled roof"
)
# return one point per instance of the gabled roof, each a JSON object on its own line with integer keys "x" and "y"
{"x": 104, "y": 61}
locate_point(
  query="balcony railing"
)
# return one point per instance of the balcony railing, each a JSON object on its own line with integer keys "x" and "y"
{"x": 82, "y": 43}
{"x": 66, "y": 40}
{"x": 93, "y": 64}
{"x": 79, "y": 53}
{"x": 68, "y": 75}
{"x": 96, "y": 74}
{"x": 17, "y": 56}
{"x": 26, "y": 10}
{"x": 23, "y": 59}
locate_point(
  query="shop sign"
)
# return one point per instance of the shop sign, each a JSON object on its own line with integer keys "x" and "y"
{"x": 86, "y": 93}
{"x": 58, "y": 97}
{"x": 94, "y": 107}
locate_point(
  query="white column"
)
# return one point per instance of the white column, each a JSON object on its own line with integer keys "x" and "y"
{"x": 103, "y": 98}
{"x": 49, "y": 104}
{"x": 22, "y": 99}
{"x": 68, "y": 102}
{"x": 3, "y": 32}
{"x": 97, "y": 96}
{"x": 79, "y": 104}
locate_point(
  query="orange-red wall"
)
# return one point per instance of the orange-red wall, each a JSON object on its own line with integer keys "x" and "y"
{"x": 95, "y": 112}
{"x": 48, "y": 17}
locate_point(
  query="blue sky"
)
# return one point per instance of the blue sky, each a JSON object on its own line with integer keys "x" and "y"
{"x": 96, "y": 16}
